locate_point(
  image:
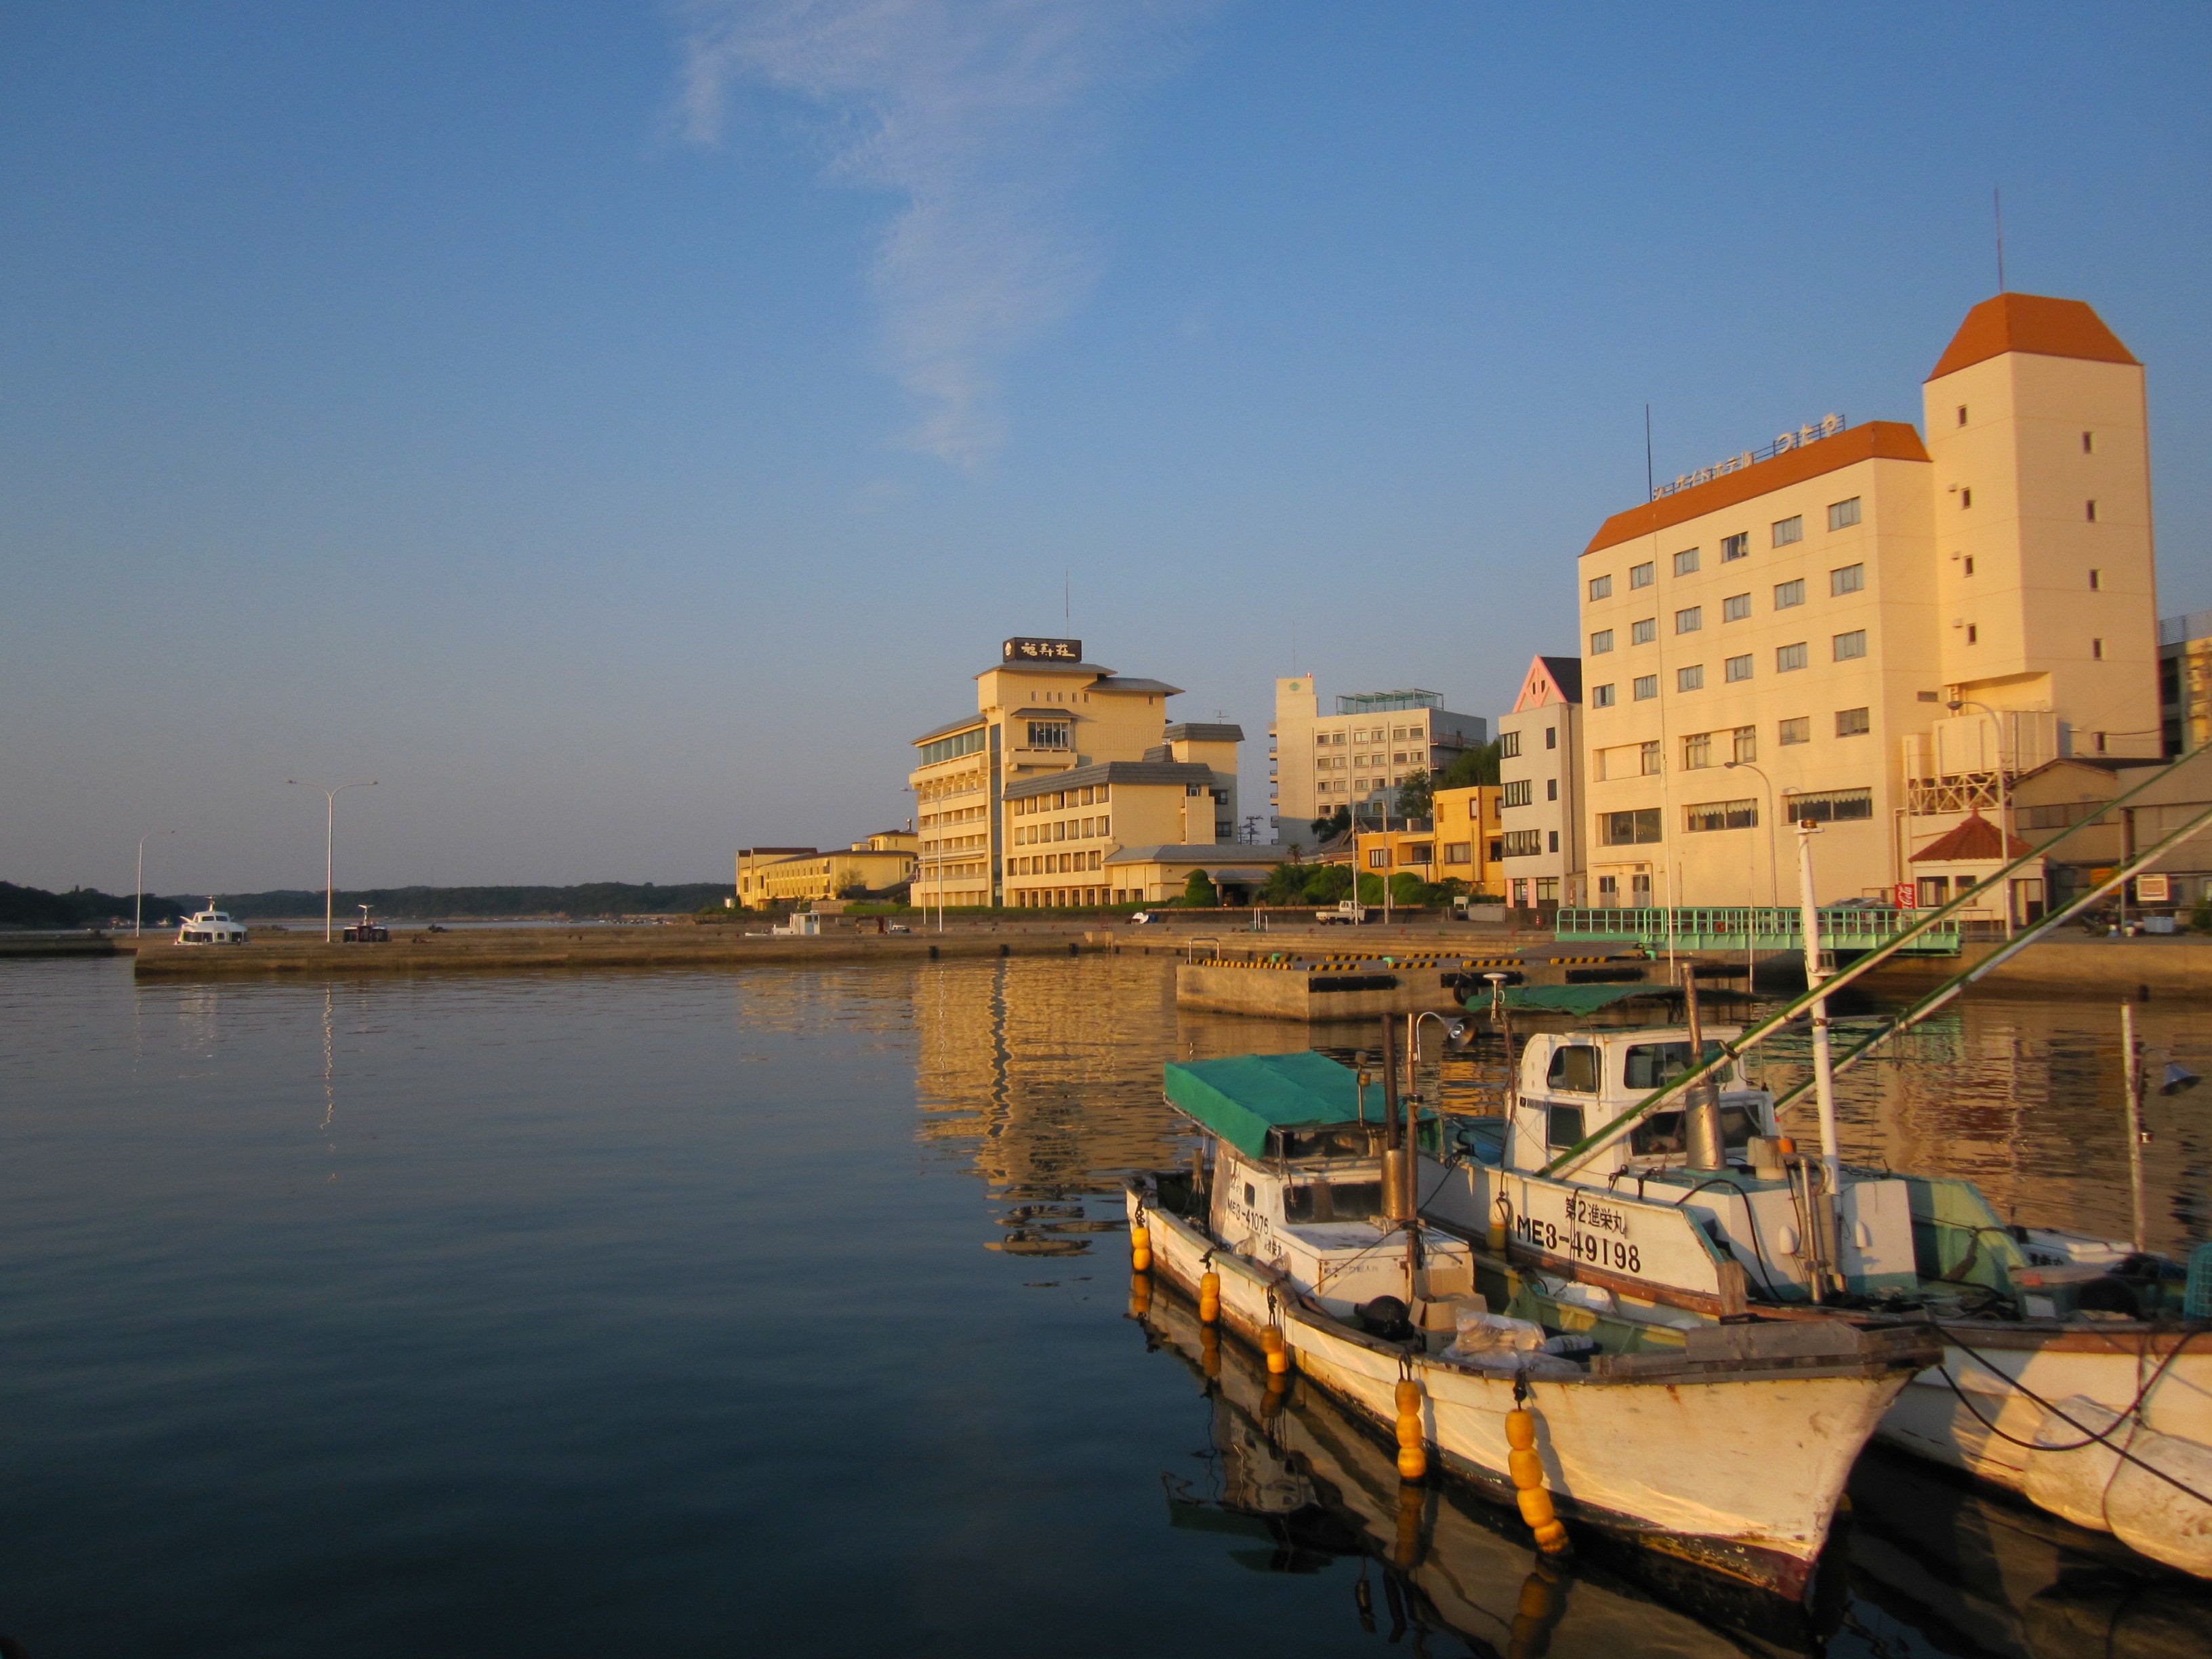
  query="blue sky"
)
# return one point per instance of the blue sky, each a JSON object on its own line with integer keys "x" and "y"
{"x": 617, "y": 428}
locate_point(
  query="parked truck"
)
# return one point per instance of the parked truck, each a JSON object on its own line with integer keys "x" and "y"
{"x": 1351, "y": 912}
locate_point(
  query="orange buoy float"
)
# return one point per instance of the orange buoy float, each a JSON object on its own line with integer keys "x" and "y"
{"x": 1279, "y": 1355}
{"x": 1526, "y": 1468}
{"x": 1140, "y": 1247}
{"x": 1412, "y": 1440}
{"x": 1209, "y": 1298}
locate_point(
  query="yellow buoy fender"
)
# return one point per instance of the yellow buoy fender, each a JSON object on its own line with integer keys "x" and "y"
{"x": 1140, "y": 1247}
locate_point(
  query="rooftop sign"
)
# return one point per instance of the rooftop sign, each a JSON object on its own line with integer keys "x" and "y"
{"x": 1043, "y": 651}
{"x": 1811, "y": 432}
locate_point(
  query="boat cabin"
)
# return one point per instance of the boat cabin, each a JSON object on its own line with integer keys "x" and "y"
{"x": 210, "y": 926}
{"x": 1297, "y": 1178}
{"x": 1630, "y": 1208}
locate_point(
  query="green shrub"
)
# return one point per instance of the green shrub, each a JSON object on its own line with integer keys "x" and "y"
{"x": 1198, "y": 892}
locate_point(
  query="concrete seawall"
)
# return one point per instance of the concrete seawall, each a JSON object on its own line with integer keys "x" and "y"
{"x": 524, "y": 949}
{"x": 2103, "y": 967}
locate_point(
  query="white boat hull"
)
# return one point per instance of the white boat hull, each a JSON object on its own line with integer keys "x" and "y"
{"x": 1739, "y": 1472}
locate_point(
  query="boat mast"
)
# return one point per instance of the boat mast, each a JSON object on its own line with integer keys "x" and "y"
{"x": 1702, "y": 1119}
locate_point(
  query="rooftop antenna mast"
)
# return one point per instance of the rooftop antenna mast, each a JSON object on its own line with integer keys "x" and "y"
{"x": 1996, "y": 199}
{"x": 1650, "y": 484}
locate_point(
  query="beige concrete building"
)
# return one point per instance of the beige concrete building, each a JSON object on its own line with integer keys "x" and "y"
{"x": 1874, "y": 633}
{"x": 794, "y": 875}
{"x": 1540, "y": 769}
{"x": 2184, "y": 682}
{"x": 1041, "y": 712}
{"x": 1359, "y": 755}
{"x": 1131, "y": 832}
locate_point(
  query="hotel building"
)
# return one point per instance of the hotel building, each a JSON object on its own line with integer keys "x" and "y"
{"x": 791, "y": 875}
{"x": 1041, "y": 714}
{"x": 1539, "y": 770}
{"x": 1874, "y": 632}
{"x": 1359, "y": 755}
{"x": 1131, "y": 832}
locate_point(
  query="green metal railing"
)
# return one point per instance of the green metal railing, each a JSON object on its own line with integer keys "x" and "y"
{"x": 1744, "y": 926}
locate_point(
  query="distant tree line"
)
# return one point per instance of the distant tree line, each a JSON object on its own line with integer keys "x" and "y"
{"x": 82, "y": 907}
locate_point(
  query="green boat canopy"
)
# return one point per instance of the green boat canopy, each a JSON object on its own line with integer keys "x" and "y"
{"x": 1245, "y": 1097}
{"x": 1566, "y": 999}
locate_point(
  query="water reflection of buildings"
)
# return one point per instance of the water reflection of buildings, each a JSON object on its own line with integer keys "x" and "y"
{"x": 1046, "y": 1072}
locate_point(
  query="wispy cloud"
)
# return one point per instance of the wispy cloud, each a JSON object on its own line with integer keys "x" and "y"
{"x": 984, "y": 117}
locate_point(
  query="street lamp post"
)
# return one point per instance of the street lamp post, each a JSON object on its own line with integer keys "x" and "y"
{"x": 330, "y": 838}
{"x": 2004, "y": 816}
{"x": 1773, "y": 869}
{"x": 139, "y": 895}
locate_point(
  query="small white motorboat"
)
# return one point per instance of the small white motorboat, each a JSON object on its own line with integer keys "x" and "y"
{"x": 210, "y": 926}
{"x": 1727, "y": 1445}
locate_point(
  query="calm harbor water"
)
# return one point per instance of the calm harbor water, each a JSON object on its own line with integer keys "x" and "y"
{"x": 762, "y": 1311}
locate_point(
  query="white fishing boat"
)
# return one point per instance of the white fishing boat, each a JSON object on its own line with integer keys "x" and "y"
{"x": 210, "y": 926}
{"x": 1727, "y": 1445}
{"x": 2068, "y": 1375}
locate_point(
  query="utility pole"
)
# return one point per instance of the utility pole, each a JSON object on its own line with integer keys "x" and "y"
{"x": 138, "y": 898}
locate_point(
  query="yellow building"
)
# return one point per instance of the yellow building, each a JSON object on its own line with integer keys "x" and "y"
{"x": 794, "y": 875}
{"x": 1131, "y": 832}
{"x": 1871, "y": 632}
{"x": 1460, "y": 842}
{"x": 1041, "y": 712}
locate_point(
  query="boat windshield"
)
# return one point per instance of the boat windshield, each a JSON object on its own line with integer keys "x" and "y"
{"x": 1334, "y": 1200}
{"x": 1655, "y": 1064}
{"x": 1662, "y": 1135}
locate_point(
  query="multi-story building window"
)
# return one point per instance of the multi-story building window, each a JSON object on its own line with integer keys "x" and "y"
{"x": 1735, "y": 608}
{"x": 1601, "y": 587}
{"x": 1691, "y": 678}
{"x": 1646, "y": 687}
{"x": 1788, "y": 658}
{"x": 1644, "y": 632}
{"x": 1601, "y": 641}
{"x": 1691, "y": 620}
{"x": 1522, "y": 844}
{"x": 1852, "y": 645}
{"x": 1721, "y": 815}
{"x": 1648, "y": 755}
{"x": 1602, "y": 696}
{"x": 1852, "y": 723}
{"x": 1747, "y": 742}
{"x": 1842, "y": 515}
{"x": 1508, "y": 745}
{"x": 1047, "y": 734}
{"x": 1696, "y": 751}
{"x": 1685, "y": 562}
{"x": 1789, "y": 530}
{"x": 1630, "y": 828}
{"x": 1828, "y": 806}
{"x": 1851, "y": 579}
{"x": 1788, "y": 593}
{"x": 1735, "y": 547}
{"x": 1738, "y": 668}
{"x": 1642, "y": 575}
{"x": 1516, "y": 793}
{"x": 1794, "y": 731}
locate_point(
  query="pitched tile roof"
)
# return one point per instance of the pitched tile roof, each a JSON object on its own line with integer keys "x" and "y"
{"x": 2033, "y": 322}
{"x": 1974, "y": 841}
{"x": 1895, "y": 440}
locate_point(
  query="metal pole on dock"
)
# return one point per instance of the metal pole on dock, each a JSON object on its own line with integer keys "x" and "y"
{"x": 1824, "y": 1076}
{"x": 1702, "y": 1142}
{"x": 2132, "y": 1052}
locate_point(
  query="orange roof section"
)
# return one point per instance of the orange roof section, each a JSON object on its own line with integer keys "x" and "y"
{"x": 1974, "y": 839}
{"x": 1893, "y": 440}
{"x": 2033, "y": 323}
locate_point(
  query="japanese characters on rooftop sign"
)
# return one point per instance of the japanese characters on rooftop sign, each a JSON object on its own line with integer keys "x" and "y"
{"x": 1811, "y": 432}
{"x": 1044, "y": 650}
